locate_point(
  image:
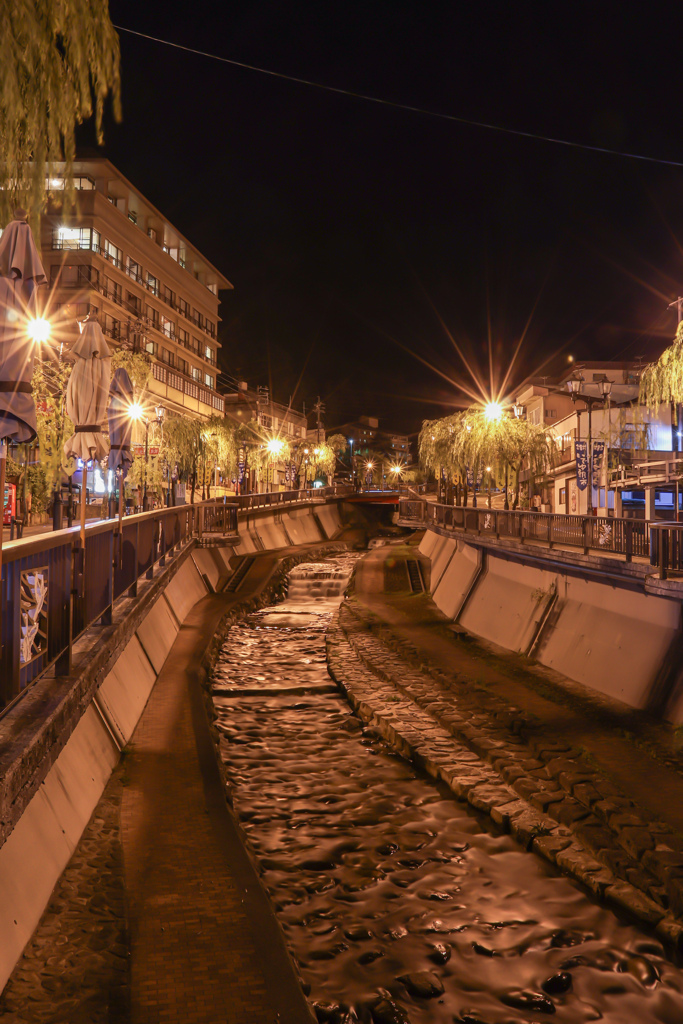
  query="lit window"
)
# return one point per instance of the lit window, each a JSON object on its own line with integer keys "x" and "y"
{"x": 152, "y": 284}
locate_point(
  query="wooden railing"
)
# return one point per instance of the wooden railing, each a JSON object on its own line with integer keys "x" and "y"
{"x": 628, "y": 537}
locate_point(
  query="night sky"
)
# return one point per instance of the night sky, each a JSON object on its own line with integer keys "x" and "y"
{"x": 350, "y": 230}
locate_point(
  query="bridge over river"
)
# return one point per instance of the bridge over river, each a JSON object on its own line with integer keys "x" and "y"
{"x": 284, "y": 776}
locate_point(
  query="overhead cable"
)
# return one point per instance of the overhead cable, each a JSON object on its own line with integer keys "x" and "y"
{"x": 404, "y": 106}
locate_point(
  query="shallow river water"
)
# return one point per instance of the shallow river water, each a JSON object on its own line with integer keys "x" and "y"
{"x": 397, "y": 902}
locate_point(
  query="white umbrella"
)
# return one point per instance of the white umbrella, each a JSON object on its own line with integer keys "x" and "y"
{"x": 86, "y": 400}
{"x": 21, "y": 271}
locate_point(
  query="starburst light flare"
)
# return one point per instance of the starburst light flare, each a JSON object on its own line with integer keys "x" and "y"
{"x": 493, "y": 411}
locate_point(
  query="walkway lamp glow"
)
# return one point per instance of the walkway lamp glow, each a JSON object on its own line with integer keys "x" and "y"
{"x": 39, "y": 330}
{"x": 493, "y": 411}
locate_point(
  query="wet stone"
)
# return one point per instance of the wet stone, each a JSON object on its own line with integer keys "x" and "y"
{"x": 422, "y": 984}
{"x": 535, "y": 1002}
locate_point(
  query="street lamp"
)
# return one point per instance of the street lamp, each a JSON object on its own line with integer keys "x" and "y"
{"x": 137, "y": 412}
{"x": 274, "y": 447}
{"x": 574, "y": 384}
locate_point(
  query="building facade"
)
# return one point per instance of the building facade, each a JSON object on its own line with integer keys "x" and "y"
{"x": 115, "y": 254}
{"x": 623, "y": 436}
{"x": 268, "y": 420}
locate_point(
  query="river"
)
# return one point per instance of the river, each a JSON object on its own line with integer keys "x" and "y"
{"x": 399, "y": 903}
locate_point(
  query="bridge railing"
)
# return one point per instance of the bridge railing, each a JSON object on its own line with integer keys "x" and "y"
{"x": 52, "y": 588}
{"x": 628, "y": 537}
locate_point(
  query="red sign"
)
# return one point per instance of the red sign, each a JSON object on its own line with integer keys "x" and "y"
{"x": 10, "y": 504}
{"x": 154, "y": 449}
{"x": 138, "y": 450}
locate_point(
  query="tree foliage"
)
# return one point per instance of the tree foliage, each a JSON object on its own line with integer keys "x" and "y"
{"x": 59, "y": 61}
{"x": 49, "y": 383}
{"x": 468, "y": 443}
{"x": 662, "y": 381}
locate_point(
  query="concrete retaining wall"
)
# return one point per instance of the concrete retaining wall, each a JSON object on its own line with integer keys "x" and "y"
{"x": 508, "y": 603}
{"x": 613, "y": 639}
{"x": 455, "y": 583}
{"x": 41, "y": 843}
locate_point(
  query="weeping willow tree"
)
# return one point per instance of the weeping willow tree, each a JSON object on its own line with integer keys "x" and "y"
{"x": 324, "y": 455}
{"x": 662, "y": 382}
{"x": 59, "y": 60}
{"x": 219, "y": 451}
{"x": 470, "y": 444}
{"x": 49, "y": 384}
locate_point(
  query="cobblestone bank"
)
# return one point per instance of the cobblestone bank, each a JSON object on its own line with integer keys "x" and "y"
{"x": 494, "y": 756}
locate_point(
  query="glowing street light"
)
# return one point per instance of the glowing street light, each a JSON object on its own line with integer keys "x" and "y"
{"x": 493, "y": 411}
{"x": 39, "y": 330}
{"x": 275, "y": 446}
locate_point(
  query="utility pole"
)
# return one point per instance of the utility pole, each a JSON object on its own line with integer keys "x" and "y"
{"x": 319, "y": 409}
{"x": 678, "y": 303}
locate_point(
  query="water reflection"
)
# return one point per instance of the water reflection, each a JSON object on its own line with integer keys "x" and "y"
{"x": 397, "y": 904}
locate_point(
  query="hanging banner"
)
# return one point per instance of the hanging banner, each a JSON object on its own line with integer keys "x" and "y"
{"x": 470, "y": 477}
{"x": 598, "y": 454}
{"x": 581, "y": 449}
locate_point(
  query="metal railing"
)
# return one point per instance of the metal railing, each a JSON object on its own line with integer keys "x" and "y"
{"x": 628, "y": 537}
{"x": 53, "y": 589}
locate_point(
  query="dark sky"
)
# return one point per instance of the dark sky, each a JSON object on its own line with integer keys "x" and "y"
{"x": 350, "y": 229}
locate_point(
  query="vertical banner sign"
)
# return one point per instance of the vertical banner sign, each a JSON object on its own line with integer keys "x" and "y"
{"x": 470, "y": 477}
{"x": 598, "y": 453}
{"x": 240, "y": 465}
{"x": 581, "y": 448}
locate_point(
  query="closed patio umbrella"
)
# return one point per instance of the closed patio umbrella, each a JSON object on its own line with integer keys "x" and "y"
{"x": 86, "y": 400}
{"x": 121, "y": 395}
{"x": 21, "y": 271}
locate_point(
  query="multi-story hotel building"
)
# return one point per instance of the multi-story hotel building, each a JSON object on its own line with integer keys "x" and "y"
{"x": 153, "y": 291}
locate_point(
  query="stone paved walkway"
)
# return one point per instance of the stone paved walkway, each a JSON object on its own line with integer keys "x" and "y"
{"x": 601, "y": 803}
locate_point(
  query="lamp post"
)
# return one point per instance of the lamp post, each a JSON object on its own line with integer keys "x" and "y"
{"x": 137, "y": 413}
{"x": 519, "y": 412}
{"x": 574, "y": 385}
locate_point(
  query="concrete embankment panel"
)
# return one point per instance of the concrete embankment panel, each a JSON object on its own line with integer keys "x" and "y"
{"x": 428, "y": 543}
{"x": 247, "y": 543}
{"x": 272, "y": 534}
{"x": 157, "y": 633}
{"x": 301, "y": 526}
{"x": 613, "y": 640}
{"x": 508, "y": 603}
{"x": 42, "y": 842}
{"x": 207, "y": 569}
{"x": 330, "y": 519}
{"x": 440, "y": 558}
{"x": 455, "y": 583}
{"x": 125, "y": 691}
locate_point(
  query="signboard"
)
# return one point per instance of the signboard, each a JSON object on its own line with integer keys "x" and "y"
{"x": 153, "y": 450}
{"x": 138, "y": 450}
{"x": 573, "y": 497}
{"x": 581, "y": 449}
{"x": 598, "y": 453}
{"x": 10, "y": 504}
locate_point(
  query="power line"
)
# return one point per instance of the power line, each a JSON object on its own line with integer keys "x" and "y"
{"x": 405, "y": 106}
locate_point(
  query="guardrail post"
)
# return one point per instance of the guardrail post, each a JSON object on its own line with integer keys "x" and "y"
{"x": 628, "y": 539}
{"x": 551, "y": 521}
{"x": 663, "y": 538}
{"x": 585, "y": 525}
